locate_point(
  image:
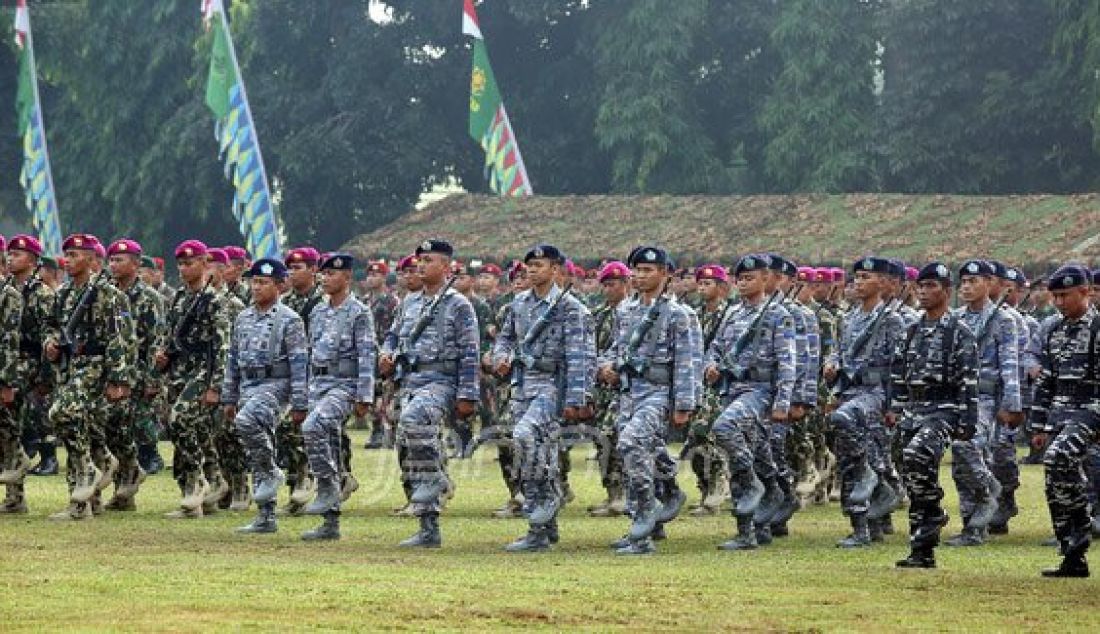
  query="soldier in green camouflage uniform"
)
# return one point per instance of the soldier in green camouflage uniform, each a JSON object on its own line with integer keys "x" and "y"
{"x": 304, "y": 295}
{"x": 229, "y": 488}
{"x": 96, "y": 348}
{"x": 383, "y": 306}
{"x": 484, "y": 419}
{"x": 197, "y": 332}
{"x": 708, "y": 460}
{"x": 147, "y": 310}
{"x": 614, "y": 277}
{"x": 12, "y": 457}
{"x": 233, "y": 275}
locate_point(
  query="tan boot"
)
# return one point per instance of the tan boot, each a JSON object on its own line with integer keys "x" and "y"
{"x": 77, "y": 511}
{"x": 304, "y": 489}
{"x": 185, "y": 514}
{"x": 107, "y": 476}
{"x": 120, "y": 504}
{"x": 348, "y": 485}
{"x": 242, "y": 499}
{"x": 16, "y": 469}
{"x": 195, "y": 489}
{"x": 218, "y": 489}
{"x": 96, "y": 504}
{"x": 86, "y": 480}
{"x": 15, "y": 503}
{"x": 131, "y": 482}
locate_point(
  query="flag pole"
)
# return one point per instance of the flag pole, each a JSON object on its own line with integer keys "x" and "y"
{"x": 29, "y": 50}
{"x": 220, "y": 7}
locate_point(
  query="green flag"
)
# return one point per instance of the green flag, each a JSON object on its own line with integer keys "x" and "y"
{"x": 484, "y": 95}
{"x": 222, "y": 77}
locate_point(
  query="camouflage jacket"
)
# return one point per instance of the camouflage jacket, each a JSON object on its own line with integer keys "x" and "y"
{"x": 383, "y": 309}
{"x": 11, "y": 313}
{"x": 935, "y": 368}
{"x": 343, "y": 348}
{"x": 147, "y": 310}
{"x": 1069, "y": 357}
{"x": 241, "y": 291}
{"x": 766, "y": 360}
{"x": 39, "y": 323}
{"x": 106, "y": 330}
{"x": 998, "y": 355}
{"x": 304, "y": 303}
{"x": 866, "y": 355}
{"x": 267, "y": 347}
{"x": 197, "y": 344}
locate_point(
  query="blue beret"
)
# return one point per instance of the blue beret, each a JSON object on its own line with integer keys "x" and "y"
{"x": 545, "y": 251}
{"x": 435, "y": 246}
{"x": 976, "y": 267}
{"x": 1069, "y": 276}
{"x": 872, "y": 264}
{"x": 752, "y": 262}
{"x": 937, "y": 271}
{"x": 897, "y": 268}
{"x": 268, "y": 267}
{"x": 999, "y": 270}
{"x": 649, "y": 255}
{"x": 338, "y": 262}
{"x": 782, "y": 265}
{"x": 1015, "y": 275}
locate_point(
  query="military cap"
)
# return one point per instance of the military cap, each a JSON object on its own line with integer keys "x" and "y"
{"x": 576, "y": 270}
{"x": 343, "y": 262}
{"x": 936, "y": 271}
{"x": 873, "y": 264}
{"x": 490, "y": 269}
{"x": 839, "y": 274}
{"x": 976, "y": 267}
{"x": 378, "y": 266}
{"x": 781, "y": 265}
{"x": 191, "y": 249}
{"x": 441, "y": 247}
{"x": 268, "y": 267}
{"x": 911, "y": 273}
{"x": 1069, "y": 276}
{"x": 751, "y": 262}
{"x": 715, "y": 272}
{"x": 100, "y": 250}
{"x": 159, "y": 262}
{"x": 51, "y": 263}
{"x": 897, "y": 268}
{"x": 407, "y": 262}
{"x": 545, "y": 251}
{"x": 613, "y": 270}
{"x": 1016, "y": 276}
{"x": 148, "y": 262}
{"x": 515, "y": 270}
{"x": 650, "y": 255}
{"x": 217, "y": 256}
{"x": 306, "y": 255}
{"x": 23, "y": 242}
{"x": 80, "y": 241}
{"x": 823, "y": 274}
{"x": 236, "y": 253}
{"x": 125, "y": 246}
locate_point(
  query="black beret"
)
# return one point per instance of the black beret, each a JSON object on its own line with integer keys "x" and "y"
{"x": 268, "y": 267}
{"x": 873, "y": 264}
{"x": 649, "y": 255}
{"x": 782, "y": 265}
{"x": 1069, "y": 276}
{"x": 435, "y": 246}
{"x": 545, "y": 251}
{"x": 338, "y": 262}
{"x": 897, "y": 268}
{"x": 1015, "y": 275}
{"x": 999, "y": 270}
{"x": 937, "y": 271}
{"x": 976, "y": 267}
{"x": 752, "y": 262}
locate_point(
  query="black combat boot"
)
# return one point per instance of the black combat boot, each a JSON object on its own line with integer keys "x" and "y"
{"x": 429, "y": 535}
{"x": 329, "y": 530}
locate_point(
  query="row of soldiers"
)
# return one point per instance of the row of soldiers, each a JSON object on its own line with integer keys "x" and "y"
{"x": 778, "y": 382}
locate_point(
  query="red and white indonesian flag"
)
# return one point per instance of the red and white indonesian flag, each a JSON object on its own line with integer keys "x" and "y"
{"x": 22, "y": 23}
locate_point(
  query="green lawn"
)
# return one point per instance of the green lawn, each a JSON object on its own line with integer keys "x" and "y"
{"x": 139, "y": 572}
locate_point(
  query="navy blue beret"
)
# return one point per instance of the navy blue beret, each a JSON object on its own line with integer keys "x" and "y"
{"x": 872, "y": 264}
{"x": 752, "y": 262}
{"x": 338, "y": 262}
{"x": 545, "y": 251}
{"x": 268, "y": 267}
{"x": 435, "y": 246}
{"x": 976, "y": 267}
{"x": 937, "y": 271}
{"x": 649, "y": 255}
{"x": 1069, "y": 276}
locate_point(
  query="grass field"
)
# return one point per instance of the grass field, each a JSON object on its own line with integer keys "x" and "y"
{"x": 140, "y": 572}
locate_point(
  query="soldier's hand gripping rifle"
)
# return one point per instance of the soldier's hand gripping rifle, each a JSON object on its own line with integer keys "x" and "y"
{"x": 405, "y": 359}
{"x": 844, "y": 379}
{"x": 630, "y": 366}
{"x": 524, "y": 359}
{"x": 66, "y": 345}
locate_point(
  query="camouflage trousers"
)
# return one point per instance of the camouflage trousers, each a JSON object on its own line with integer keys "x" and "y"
{"x": 607, "y": 453}
{"x": 970, "y": 461}
{"x": 924, "y": 436}
{"x": 147, "y": 416}
{"x": 708, "y": 460}
{"x": 507, "y": 456}
{"x": 642, "y": 425}
{"x": 119, "y": 431}
{"x": 232, "y": 459}
{"x": 853, "y": 422}
{"x": 424, "y": 412}
{"x": 537, "y": 434}
{"x": 1066, "y": 484}
{"x": 261, "y": 407}
{"x": 190, "y": 427}
{"x": 323, "y": 429}
{"x": 743, "y": 436}
{"x": 77, "y": 414}
{"x": 292, "y": 449}
{"x": 1002, "y": 454}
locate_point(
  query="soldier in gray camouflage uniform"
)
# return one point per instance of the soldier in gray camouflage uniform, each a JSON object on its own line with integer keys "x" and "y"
{"x": 342, "y": 357}
{"x": 546, "y": 345}
{"x": 657, "y": 362}
{"x": 264, "y": 371}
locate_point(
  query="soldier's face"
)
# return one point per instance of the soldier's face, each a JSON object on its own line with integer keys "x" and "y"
{"x": 750, "y": 284}
{"x": 376, "y": 280}
{"x": 487, "y": 284}
{"x": 868, "y": 285}
{"x": 78, "y": 262}
{"x": 614, "y": 290}
{"x": 265, "y": 290}
{"x": 217, "y": 273}
{"x": 932, "y": 294}
{"x": 335, "y": 282}
{"x": 711, "y": 290}
{"x": 433, "y": 267}
{"x": 234, "y": 271}
{"x": 542, "y": 272}
{"x": 20, "y": 261}
{"x": 973, "y": 288}
{"x": 411, "y": 279}
{"x": 464, "y": 283}
{"x": 995, "y": 287}
{"x": 147, "y": 276}
{"x": 302, "y": 275}
{"x": 820, "y": 290}
{"x": 191, "y": 269}
{"x": 649, "y": 277}
{"x": 123, "y": 267}
{"x": 519, "y": 283}
{"x": 1073, "y": 302}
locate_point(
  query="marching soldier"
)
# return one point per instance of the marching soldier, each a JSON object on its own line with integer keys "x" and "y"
{"x": 614, "y": 277}
{"x": 383, "y": 305}
{"x": 146, "y": 309}
{"x": 656, "y": 360}
{"x": 304, "y": 294}
{"x": 234, "y": 274}
{"x": 435, "y": 346}
{"x": 193, "y": 362}
{"x": 265, "y": 370}
{"x": 95, "y": 348}
{"x": 546, "y": 346}
{"x": 12, "y": 457}
{"x": 341, "y": 379}
{"x": 935, "y": 399}
{"x": 409, "y": 277}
